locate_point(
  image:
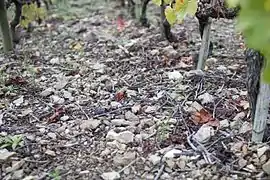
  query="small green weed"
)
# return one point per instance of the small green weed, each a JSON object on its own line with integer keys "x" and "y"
{"x": 163, "y": 130}
{"x": 11, "y": 141}
{"x": 55, "y": 174}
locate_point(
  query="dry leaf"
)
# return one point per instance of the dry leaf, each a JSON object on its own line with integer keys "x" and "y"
{"x": 77, "y": 46}
{"x": 57, "y": 114}
{"x": 120, "y": 95}
{"x": 201, "y": 117}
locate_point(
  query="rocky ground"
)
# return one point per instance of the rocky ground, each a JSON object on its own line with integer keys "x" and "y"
{"x": 92, "y": 102}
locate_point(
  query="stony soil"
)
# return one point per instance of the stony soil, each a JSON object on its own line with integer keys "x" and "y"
{"x": 94, "y": 103}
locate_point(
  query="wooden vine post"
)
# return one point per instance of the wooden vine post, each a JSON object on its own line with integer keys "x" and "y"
{"x": 4, "y": 27}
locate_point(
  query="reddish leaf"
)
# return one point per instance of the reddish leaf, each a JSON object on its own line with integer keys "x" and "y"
{"x": 201, "y": 117}
{"x": 120, "y": 23}
{"x": 120, "y": 95}
{"x": 57, "y": 114}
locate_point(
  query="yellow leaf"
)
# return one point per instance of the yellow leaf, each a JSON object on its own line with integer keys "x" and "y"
{"x": 25, "y": 22}
{"x": 192, "y": 7}
{"x": 170, "y": 15}
{"x": 41, "y": 13}
{"x": 157, "y": 2}
{"x": 179, "y": 5}
{"x": 77, "y": 46}
{"x": 28, "y": 11}
{"x": 167, "y": 2}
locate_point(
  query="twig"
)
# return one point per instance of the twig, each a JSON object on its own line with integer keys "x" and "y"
{"x": 224, "y": 145}
{"x": 218, "y": 140}
{"x": 183, "y": 120}
{"x": 46, "y": 103}
{"x": 183, "y": 170}
{"x": 205, "y": 152}
{"x": 121, "y": 108}
{"x": 160, "y": 171}
{"x": 126, "y": 83}
{"x": 67, "y": 173}
{"x": 31, "y": 114}
{"x": 66, "y": 145}
{"x": 233, "y": 75}
{"x": 190, "y": 143}
{"x": 202, "y": 150}
{"x": 215, "y": 107}
{"x": 220, "y": 90}
{"x": 88, "y": 118}
{"x": 227, "y": 56}
{"x": 132, "y": 162}
{"x": 125, "y": 50}
{"x": 240, "y": 173}
{"x": 35, "y": 161}
{"x": 198, "y": 90}
{"x": 151, "y": 135}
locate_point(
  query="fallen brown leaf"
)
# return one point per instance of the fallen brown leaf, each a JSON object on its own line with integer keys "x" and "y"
{"x": 59, "y": 111}
{"x": 201, "y": 117}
